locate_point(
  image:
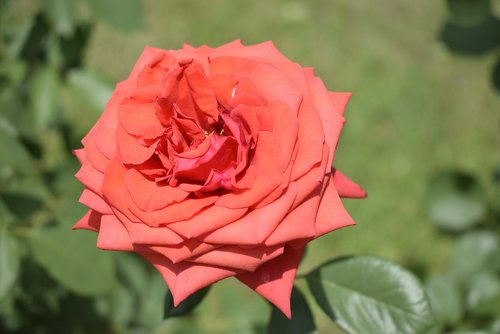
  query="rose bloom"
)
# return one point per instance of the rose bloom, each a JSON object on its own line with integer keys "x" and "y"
{"x": 216, "y": 162}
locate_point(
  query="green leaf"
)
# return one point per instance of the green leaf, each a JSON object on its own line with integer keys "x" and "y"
{"x": 186, "y": 306}
{"x": 495, "y": 77}
{"x": 72, "y": 259}
{"x": 455, "y": 201}
{"x": 14, "y": 158}
{"x": 444, "y": 295}
{"x": 302, "y": 319}
{"x": 43, "y": 97}
{"x": 6, "y": 217}
{"x": 468, "y": 12}
{"x": 471, "y": 254}
{"x": 90, "y": 89}
{"x": 150, "y": 310}
{"x": 371, "y": 295}
{"x": 483, "y": 297}
{"x": 132, "y": 271}
{"x": 62, "y": 15}
{"x": 474, "y": 39}
{"x": 125, "y": 14}
{"x": 9, "y": 262}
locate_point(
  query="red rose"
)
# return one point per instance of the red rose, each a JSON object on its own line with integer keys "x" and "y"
{"x": 213, "y": 163}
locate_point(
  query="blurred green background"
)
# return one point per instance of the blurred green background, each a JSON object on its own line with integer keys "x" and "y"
{"x": 424, "y": 101}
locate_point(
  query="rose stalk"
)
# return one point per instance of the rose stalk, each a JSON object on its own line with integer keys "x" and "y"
{"x": 217, "y": 162}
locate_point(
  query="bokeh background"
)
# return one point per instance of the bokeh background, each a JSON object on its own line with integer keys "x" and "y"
{"x": 425, "y": 85}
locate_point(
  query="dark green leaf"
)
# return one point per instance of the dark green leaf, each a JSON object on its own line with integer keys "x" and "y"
{"x": 455, "y": 201}
{"x": 14, "y": 156}
{"x": 90, "y": 88}
{"x": 73, "y": 47}
{"x": 471, "y": 253}
{"x": 29, "y": 41}
{"x": 371, "y": 295}
{"x": 472, "y": 40}
{"x": 483, "y": 297}
{"x": 9, "y": 262}
{"x": 72, "y": 259}
{"x": 444, "y": 295}
{"x": 125, "y": 14}
{"x": 469, "y": 12}
{"x": 495, "y": 77}
{"x": 43, "y": 97}
{"x": 62, "y": 15}
{"x": 302, "y": 319}
{"x": 186, "y": 306}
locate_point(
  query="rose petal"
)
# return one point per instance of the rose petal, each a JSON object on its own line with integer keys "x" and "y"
{"x": 247, "y": 259}
{"x": 299, "y": 223}
{"x": 207, "y": 220}
{"x": 269, "y": 174}
{"x": 331, "y": 213}
{"x": 183, "y": 279}
{"x": 257, "y": 225}
{"x": 140, "y": 233}
{"x": 87, "y": 174}
{"x": 131, "y": 151}
{"x": 90, "y": 221}
{"x": 346, "y": 187}
{"x": 113, "y": 235}
{"x": 183, "y": 251}
{"x": 274, "y": 279}
{"x": 310, "y": 140}
{"x": 340, "y": 100}
{"x": 95, "y": 202}
{"x": 331, "y": 118}
{"x": 151, "y": 196}
{"x": 140, "y": 119}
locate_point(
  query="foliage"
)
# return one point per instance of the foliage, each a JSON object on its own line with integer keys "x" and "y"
{"x": 467, "y": 296}
{"x": 473, "y": 29}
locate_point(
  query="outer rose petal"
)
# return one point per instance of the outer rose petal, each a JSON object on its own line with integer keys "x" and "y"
{"x": 113, "y": 235}
{"x": 90, "y": 221}
{"x": 183, "y": 279}
{"x": 274, "y": 279}
{"x": 331, "y": 213}
{"x": 346, "y": 187}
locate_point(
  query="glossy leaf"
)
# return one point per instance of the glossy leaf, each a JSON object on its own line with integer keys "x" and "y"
{"x": 186, "y": 306}
{"x": 445, "y": 299}
{"x": 9, "y": 262}
{"x": 471, "y": 254}
{"x": 127, "y": 14}
{"x": 455, "y": 201}
{"x": 302, "y": 319}
{"x": 72, "y": 259}
{"x": 371, "y": 295}
{"x": 43, "y": 97}
{"x": 62, "y": 15}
